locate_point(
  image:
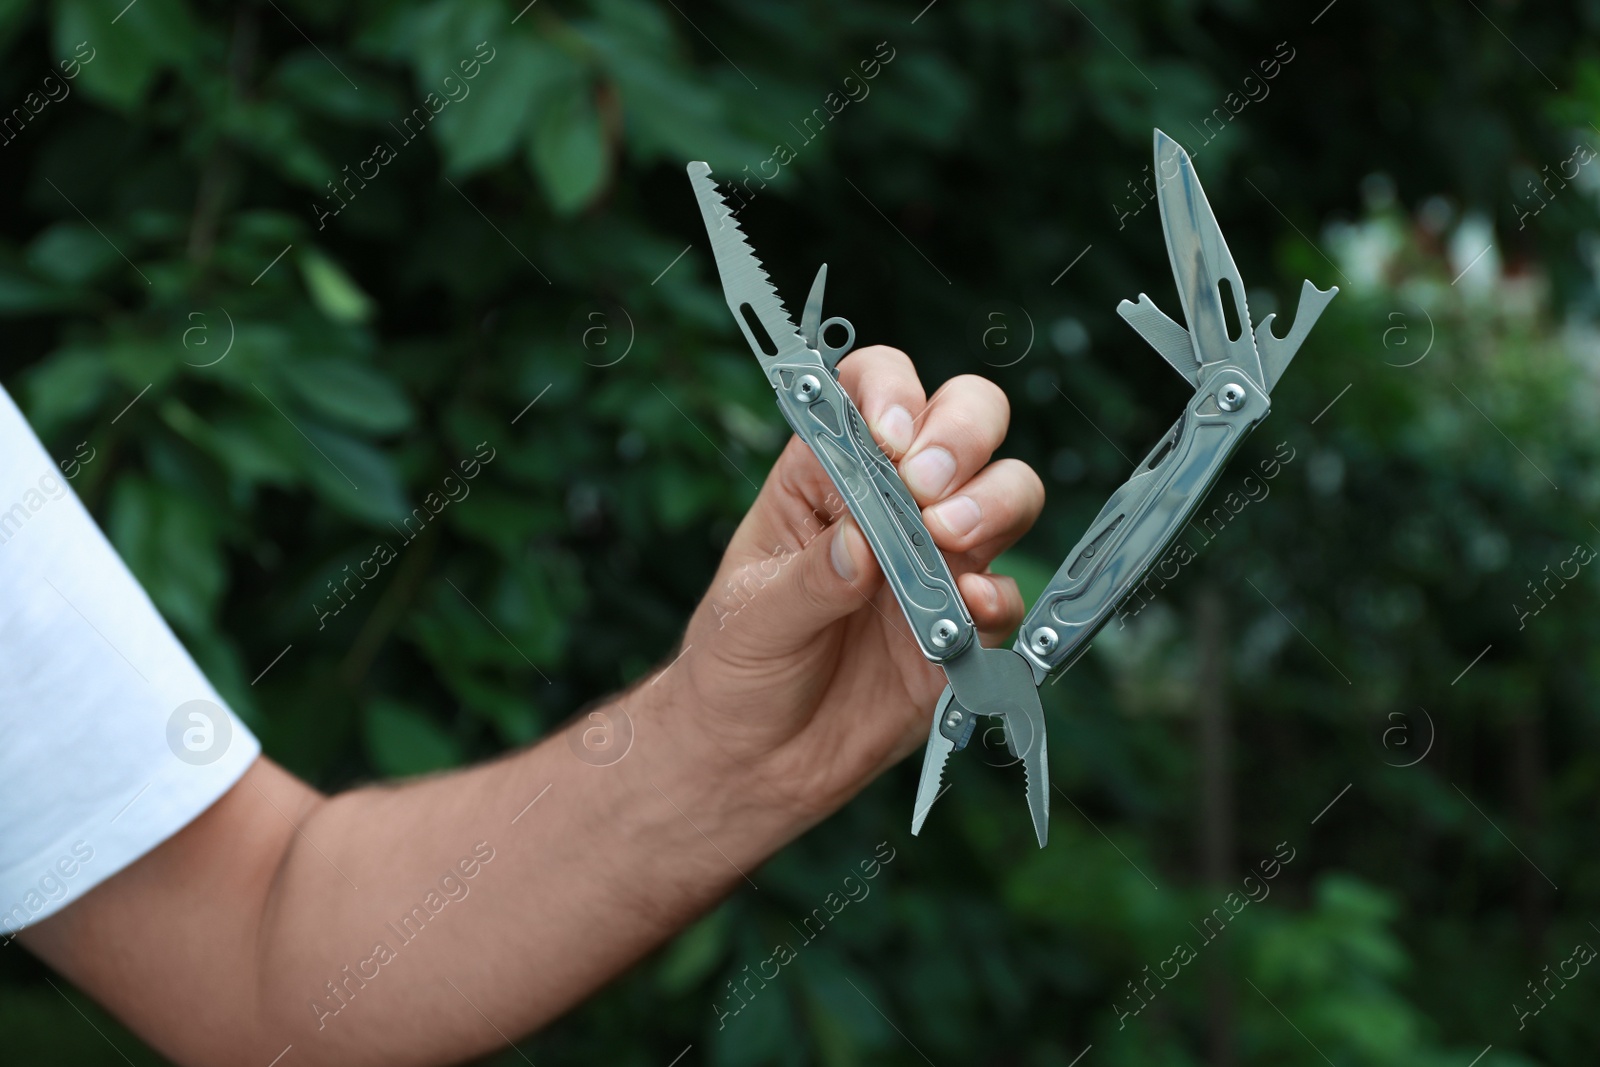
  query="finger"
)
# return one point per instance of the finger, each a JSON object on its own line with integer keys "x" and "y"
{"x": 995, "y": 603}
{"x": 831, "y": 576}
{"x": 884, "y": 385}
{"x": 960, "y": 429}
{"x": 988, "y": 514}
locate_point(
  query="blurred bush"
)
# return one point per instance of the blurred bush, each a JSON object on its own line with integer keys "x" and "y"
{"x": 279, "y": 318}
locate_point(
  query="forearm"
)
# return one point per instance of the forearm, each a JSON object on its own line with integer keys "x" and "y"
{"x": 432, "y": 921}
{"x": 592, "y": 866}
{"x": 418, "y": 923}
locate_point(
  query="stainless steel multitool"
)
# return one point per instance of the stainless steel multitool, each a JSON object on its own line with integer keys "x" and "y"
{"x": 1233, "y": 378}
{"x": 1233, "y": 374}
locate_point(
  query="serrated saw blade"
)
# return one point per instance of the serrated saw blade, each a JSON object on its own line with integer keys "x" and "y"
{"x": 745, "y": 284}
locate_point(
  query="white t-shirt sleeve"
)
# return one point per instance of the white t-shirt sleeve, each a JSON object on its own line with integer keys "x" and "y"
{"x": 111, "y": 740}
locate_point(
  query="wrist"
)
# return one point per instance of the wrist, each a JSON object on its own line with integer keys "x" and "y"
{"x": 687, "y": 793}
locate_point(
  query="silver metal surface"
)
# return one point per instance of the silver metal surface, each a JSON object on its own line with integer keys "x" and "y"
{"x": 1201, "y": 263}
{"x": 1277, "y": 352}
{"x": 743, "y": 274}
{"x": 824, "y": 416}
{"x": 1233, "y": 378}
{"x": 815, "y": 331}
{"x": 799, "y": 363}
{"x": 1164, "y": 335}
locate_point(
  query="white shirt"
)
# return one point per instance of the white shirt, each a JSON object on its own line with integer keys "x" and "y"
{"x": 111, "y": 740}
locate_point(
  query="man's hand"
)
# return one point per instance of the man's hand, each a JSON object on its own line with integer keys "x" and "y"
{"x": 800, "y": 661}
{"x": 338, "y": 927}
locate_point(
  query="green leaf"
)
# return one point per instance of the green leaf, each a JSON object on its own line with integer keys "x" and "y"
{"x": 568, "y": 149}
{"x": 313, "y": 85}
{"x": 24, "y": 296}
{"x": 402, "y": 741}
{"x": 65, "y": 386}
{"x": 168, "y": 539}
{"x": 333, "y": 291}
{"x": 71, "y": 252}
{"x": 694, "y": 953}
{"x": 352, "y": 394}
{"x": 251, "y": 445}
{"x": 490, "y": 117}
{"x": 759, "y": 1031}
{"x": 118, "y": 63}
{"x": 352, "y": 475}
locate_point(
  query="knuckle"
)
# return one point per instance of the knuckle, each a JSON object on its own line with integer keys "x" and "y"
{"x": 973, "y": 412}
{"x": 1030, "y": 486}
{"x": 810, "y": 582}
{"x": 965, "y": 432}
{"x": 876, "y": 359}
{"x": 1017, "y": 486}
{"x": 884, "y": 352}
{"x": 980, "y": 391}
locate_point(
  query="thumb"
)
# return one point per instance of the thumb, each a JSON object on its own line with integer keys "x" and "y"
{"x": 831, "y": 576}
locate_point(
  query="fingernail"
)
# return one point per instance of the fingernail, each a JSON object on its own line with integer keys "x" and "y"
{"x": 929, "y": 472}
{"x": 839, "y": 552}
{"x": 895, "y": 429}
{"x": 959, "y": 514}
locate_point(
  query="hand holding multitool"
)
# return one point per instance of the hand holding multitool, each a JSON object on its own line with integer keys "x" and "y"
{"x": 1233, "y": 373}
{"x": 801, "y": 366}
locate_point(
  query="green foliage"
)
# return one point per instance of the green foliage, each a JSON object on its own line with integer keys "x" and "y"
{"x": 279, "y": 356}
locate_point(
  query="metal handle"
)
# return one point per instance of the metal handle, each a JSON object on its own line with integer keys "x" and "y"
{"x": 1141, "y": 518}
{"x": 827, "y": 420}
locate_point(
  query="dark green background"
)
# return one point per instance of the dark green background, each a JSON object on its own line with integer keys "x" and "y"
{"x": 1318, "y": 643}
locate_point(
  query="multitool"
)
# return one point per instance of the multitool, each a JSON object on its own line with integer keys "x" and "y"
{"x": 1233, "y": 372}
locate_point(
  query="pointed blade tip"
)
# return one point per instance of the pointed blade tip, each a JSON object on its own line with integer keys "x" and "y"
{"x": 1168, "y": 146}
